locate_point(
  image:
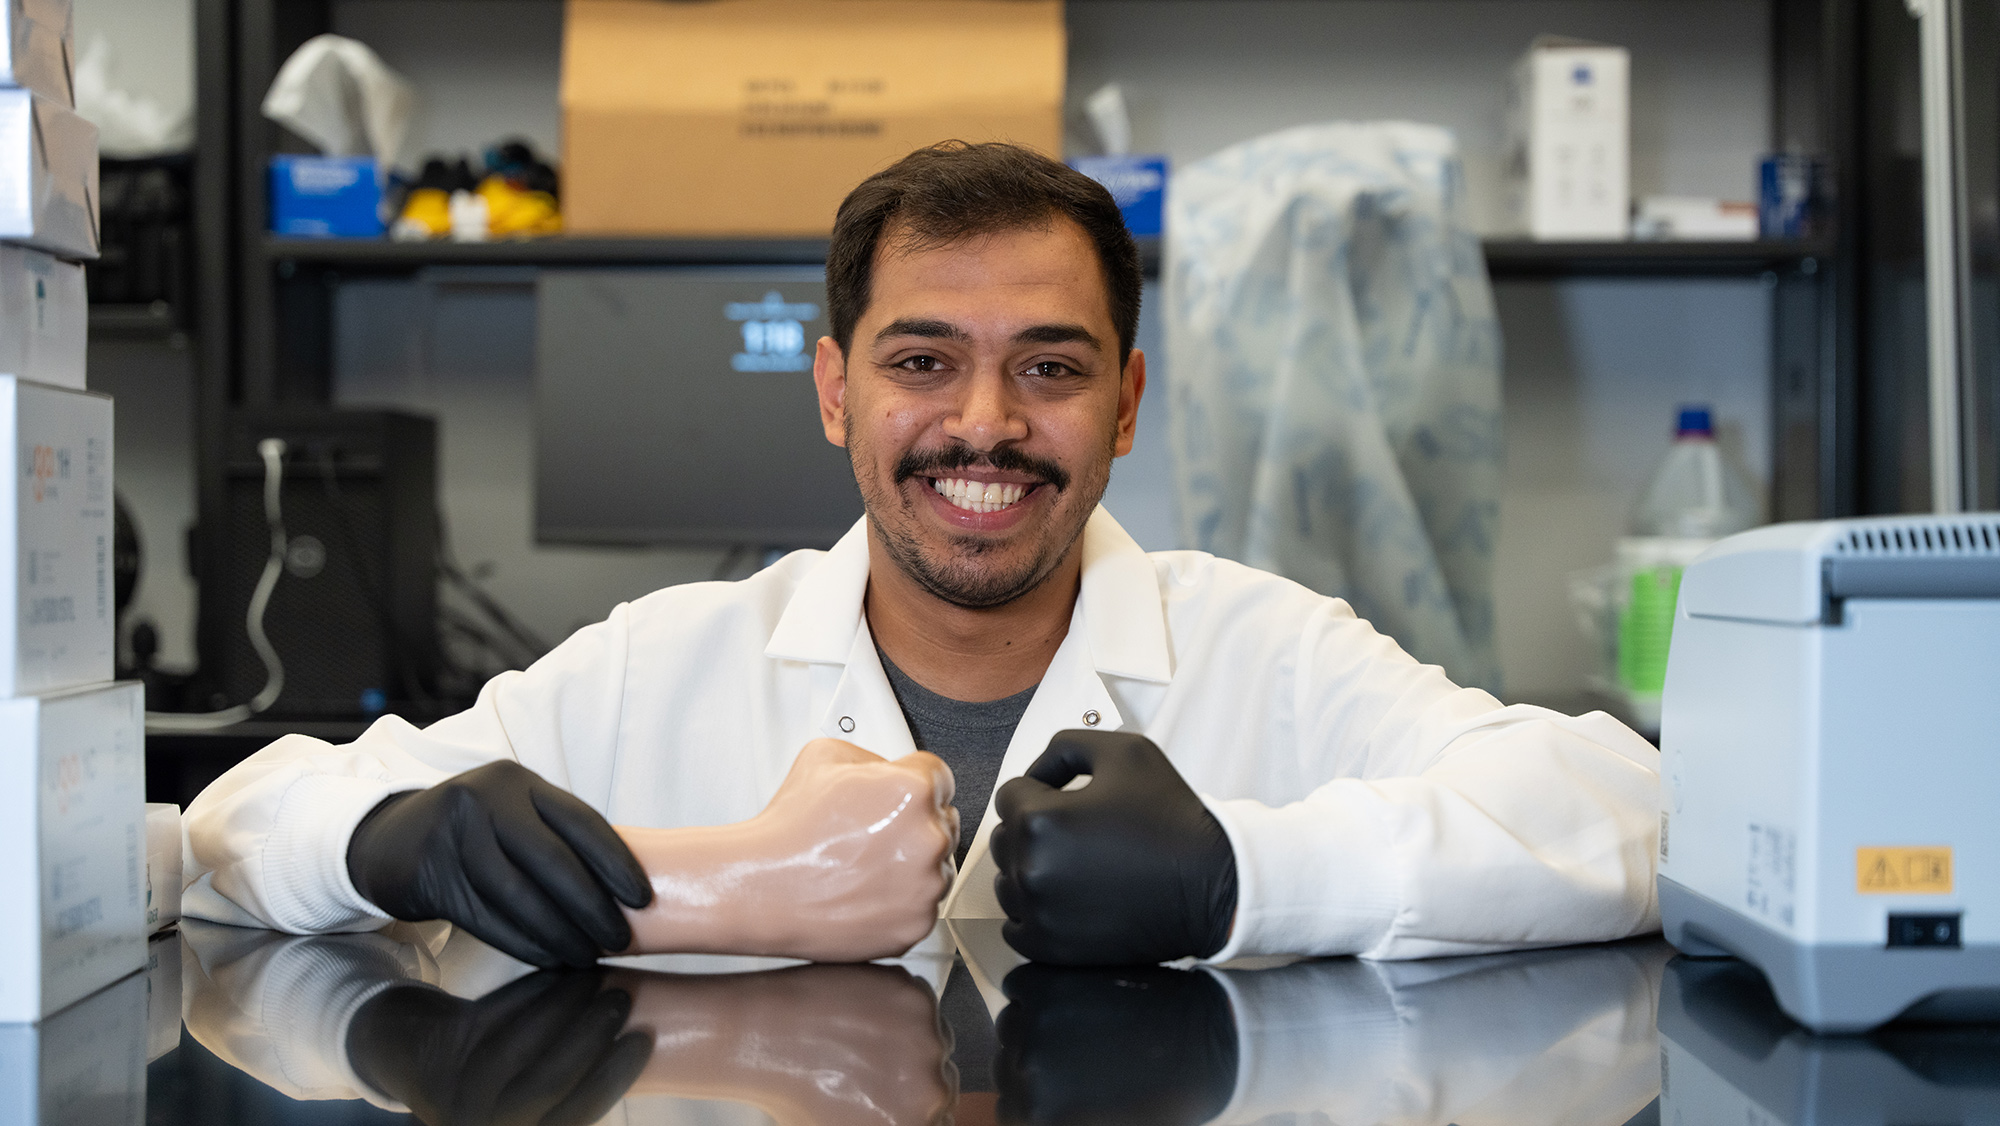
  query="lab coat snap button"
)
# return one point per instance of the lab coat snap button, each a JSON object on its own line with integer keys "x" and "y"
{"x": 1091, "y": 718}
{"x": 847, "y": 723}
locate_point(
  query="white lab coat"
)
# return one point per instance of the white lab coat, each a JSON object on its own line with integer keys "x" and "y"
{"x": 1374, "y": 807}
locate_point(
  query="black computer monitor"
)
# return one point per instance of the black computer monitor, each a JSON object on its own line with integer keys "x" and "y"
{"x": 676, "y": 405}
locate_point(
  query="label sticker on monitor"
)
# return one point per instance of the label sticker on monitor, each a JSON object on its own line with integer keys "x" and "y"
{"x": 774, "y": 333}
{"x": 1903, "y": 871}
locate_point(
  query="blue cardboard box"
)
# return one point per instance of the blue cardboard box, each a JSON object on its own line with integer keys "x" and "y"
{"x": 325, "y": 197}
{"x": 1138, "y": 183}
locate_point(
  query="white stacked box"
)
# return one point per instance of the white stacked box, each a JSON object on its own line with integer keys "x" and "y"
{"x": 1569, "y": 140}
{"x": 73, "y": 833}
{"x": 72, "y": 846}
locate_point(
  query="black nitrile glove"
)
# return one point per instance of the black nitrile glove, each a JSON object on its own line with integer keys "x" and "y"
{"x": 518, "y": 862}
{"x": 1131, "y": 868}
{"x": 543, "y": 1050}
{"x": 1142, "y": 1044}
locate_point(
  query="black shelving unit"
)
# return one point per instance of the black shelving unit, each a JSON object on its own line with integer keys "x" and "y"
{"x": 264, "y": 321}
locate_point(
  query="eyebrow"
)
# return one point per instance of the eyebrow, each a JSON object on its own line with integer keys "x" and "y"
{"x": 1057, "y": 333}
{"x": 919, "y": 326}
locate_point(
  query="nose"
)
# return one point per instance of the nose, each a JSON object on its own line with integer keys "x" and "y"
{"x": 987, "y": 413}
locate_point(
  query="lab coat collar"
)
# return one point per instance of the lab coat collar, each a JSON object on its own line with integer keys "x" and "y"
{"x": 1120, "y": 605}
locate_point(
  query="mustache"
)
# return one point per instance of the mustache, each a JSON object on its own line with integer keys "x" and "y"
{"x": 1006, "y": 459}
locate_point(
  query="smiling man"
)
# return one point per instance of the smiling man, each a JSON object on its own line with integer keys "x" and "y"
{"x": 1267, "y": 774}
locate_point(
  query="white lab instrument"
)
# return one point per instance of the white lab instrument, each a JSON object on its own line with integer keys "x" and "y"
{"x": 1829, "y": 768}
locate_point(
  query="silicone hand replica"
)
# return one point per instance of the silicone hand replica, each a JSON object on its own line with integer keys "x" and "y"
{"x": 809, "y": 1045}
{"x": 547, "y": 1049}
{"x": 517, "y": 861}
{"x": 846, "y": 863}
{"x": 1140, "y": 1045}
{"x": 1131, "y": 868}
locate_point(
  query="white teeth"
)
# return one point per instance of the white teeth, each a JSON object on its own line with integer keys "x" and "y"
{"x": 975, "y": 496}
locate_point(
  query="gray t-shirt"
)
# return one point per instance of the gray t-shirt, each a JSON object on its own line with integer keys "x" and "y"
{"x": 970, "y": 738}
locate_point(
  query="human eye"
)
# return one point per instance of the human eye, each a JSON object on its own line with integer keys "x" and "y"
{"x": 1052, "y": 370}
{"x": 919, "y": 363}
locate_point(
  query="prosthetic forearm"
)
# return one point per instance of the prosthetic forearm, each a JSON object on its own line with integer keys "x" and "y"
{"x": 847, "y": 863}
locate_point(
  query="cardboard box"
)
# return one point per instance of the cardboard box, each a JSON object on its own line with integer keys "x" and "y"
{"x": 325, "y": 197}
{"x": 1569, "y": 140}
{"x": 38, "y": 48}
{"x": 48, "y": 176}
{"x": 57, "y": 620}
{"x": 44, "y": 317}
{"x": 757, "y": 117}
{"x": 72, "y": 846}
{"x": 86, "y": 1064}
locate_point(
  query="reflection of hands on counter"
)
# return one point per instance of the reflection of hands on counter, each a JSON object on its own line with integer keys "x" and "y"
{"x": 1559, "y": 1036}
{"x": 808, "y": 1045}
{"x": 846, "y": 863}
{"x": 544, "y": 1049}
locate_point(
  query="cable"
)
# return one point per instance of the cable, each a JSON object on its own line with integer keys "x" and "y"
{"x": 272, "y": 450}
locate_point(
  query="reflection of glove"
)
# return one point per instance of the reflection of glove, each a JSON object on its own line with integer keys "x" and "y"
{"x": 544, "y": 1049}
{"x": 518, "y": 862}
{"x": 1131, "y": 868}
{"x": 1139, "y": 1045}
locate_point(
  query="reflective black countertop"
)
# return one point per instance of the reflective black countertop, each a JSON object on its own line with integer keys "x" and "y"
{"x": 241, "y": 1026}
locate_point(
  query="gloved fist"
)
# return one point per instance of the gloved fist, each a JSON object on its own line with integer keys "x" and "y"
{"x": 520, "y": 863}
{"x": 846, "y": 863}
{"x": 1143, "y": 1044}
{"x": 546, "y": 1050}
{"x": 1131, "y": 868}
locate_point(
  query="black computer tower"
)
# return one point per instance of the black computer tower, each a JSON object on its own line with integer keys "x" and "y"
{"x": 353, "y": 615}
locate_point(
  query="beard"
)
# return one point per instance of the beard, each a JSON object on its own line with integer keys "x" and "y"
{"x": 974, "y": 572}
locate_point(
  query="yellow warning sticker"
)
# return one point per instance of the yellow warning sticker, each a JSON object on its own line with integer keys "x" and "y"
{"x": 1902, "y": 871}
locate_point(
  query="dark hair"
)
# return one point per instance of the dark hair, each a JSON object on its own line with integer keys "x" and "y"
{"x": 954, "y": 190}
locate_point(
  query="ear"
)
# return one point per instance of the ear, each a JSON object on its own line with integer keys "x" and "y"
{"x": 1131, "y": 387}
{"x": 830, "y": 378}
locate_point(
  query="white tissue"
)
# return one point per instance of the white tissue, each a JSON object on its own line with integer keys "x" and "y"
{"x": 129, "y": 126}
{"x": 1111, "y": 118}
{"x": 341, "y": 96}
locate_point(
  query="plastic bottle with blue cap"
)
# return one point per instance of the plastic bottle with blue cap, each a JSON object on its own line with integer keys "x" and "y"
{"x": 1696, "y": 497}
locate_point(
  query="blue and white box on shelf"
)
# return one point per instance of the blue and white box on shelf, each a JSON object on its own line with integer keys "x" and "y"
{"x": 1138, "y": 183}
{"x": 44, "y": 317}
{"x": 325, "y": 197}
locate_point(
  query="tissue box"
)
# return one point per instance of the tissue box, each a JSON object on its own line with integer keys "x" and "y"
{"x": 86, "y": 1064}
{"x": 1569, "y": 140}
{"x": 56, "y": 623}
{"x": 48, "y": 176}
{"x": 325, "y": 197}
{"x": 37, "y": 48}
{"x": 163, "y": 866}
{"x": 72, "y": 841}
{"x": 44, "y": 317}
{"x": 1138, "y": 183}
{"x": 757, "y": 117}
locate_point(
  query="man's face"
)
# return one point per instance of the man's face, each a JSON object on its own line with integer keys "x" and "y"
{"x": 981, "y": 403}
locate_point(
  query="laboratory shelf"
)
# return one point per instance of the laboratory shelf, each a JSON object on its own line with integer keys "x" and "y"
{"x": 1524, "y": 258}
{"x": 1505, "y": 258}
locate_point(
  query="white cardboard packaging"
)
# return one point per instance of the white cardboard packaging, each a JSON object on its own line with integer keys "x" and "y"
{"x": 86, "y": 1064}
{"x": 48, "y": 175}
{"x": 44, "y": 317}
{"x": 72, "y": 846}
{"x": 1569, "y": 140}
{"x": 38, "y": 48}
{"x": 163, "y": 866}
{"x": 56, "y": 624}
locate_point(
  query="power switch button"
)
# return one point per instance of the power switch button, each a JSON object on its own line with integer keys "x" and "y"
{"x": 1923, "y": 930}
